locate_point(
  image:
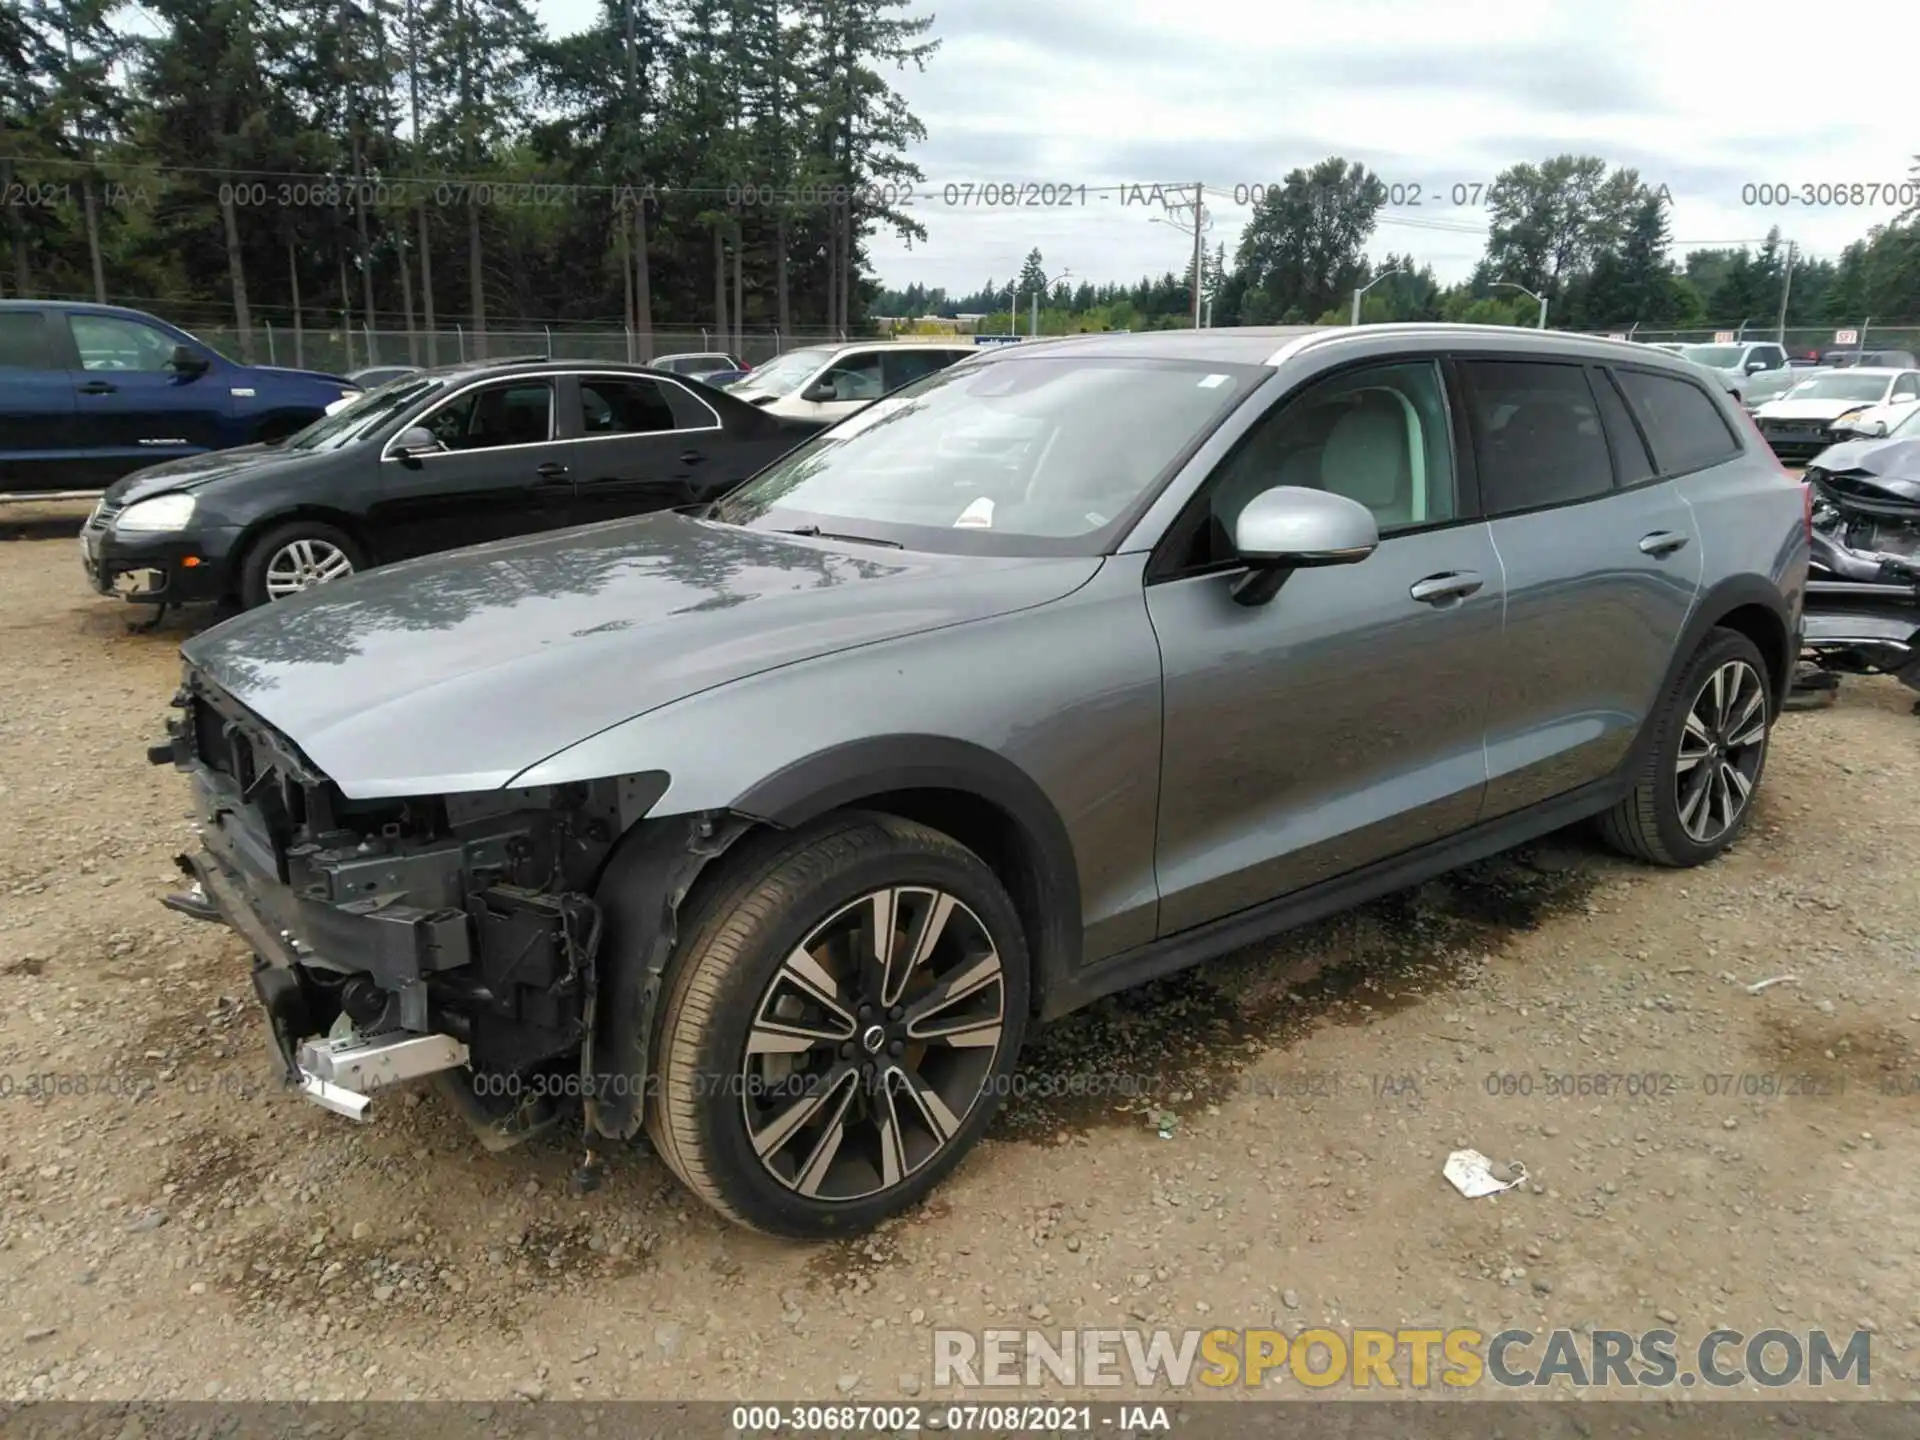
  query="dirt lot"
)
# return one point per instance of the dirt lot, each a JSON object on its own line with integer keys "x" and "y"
{"x": 210, "y": 1236}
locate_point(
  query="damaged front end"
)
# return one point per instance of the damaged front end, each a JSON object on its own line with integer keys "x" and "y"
{"x": 1863, "y": 590}
{"x": 449, "y": 936}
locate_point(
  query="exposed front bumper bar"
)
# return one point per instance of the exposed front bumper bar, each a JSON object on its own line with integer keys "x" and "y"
{"x": 344, "y": 1075}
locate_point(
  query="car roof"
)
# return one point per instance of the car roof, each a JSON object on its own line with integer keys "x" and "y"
{"x": 1273, "y": 344}
{"x": 83, "y": 307}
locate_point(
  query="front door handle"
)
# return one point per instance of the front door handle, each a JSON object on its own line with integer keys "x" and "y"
{"x": 1439, "y": 589}
{"x": 98, "y": 387}
{"x": 691, "y": 457}
{"x": 552, "y": 470}
{"x": 1662, "y": 543}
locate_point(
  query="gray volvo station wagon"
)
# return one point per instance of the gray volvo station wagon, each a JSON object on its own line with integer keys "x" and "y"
{"x": 768, "y": 829}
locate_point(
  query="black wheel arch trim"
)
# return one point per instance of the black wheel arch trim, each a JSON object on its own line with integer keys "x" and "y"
{"x": 1734, "y": 593}
{"x": 841, "y": 777}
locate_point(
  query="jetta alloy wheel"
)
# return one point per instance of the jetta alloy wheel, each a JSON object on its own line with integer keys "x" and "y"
{"x": 872, "y": 1043}
{"x": 1721, "y": 749}
{"x": 301, "y": 564}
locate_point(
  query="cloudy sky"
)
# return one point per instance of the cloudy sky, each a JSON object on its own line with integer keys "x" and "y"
{"x": 1436, "y": 97}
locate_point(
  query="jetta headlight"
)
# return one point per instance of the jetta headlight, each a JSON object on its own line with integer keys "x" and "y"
{"x": 163, "y": 512}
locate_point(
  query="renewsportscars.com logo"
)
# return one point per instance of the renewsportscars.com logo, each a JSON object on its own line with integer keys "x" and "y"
{"x": 1395, "y": 1359}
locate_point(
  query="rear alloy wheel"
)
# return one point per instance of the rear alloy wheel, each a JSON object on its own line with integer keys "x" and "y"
{"x": 839, "y": 1028}
{"x": 1695, "y": 787}
{"x": 296, "y": 557}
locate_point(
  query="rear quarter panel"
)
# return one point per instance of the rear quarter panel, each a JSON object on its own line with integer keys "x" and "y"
{"x": 1751, "y": 518}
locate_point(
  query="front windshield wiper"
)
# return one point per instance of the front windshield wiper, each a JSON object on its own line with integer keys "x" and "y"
{"x": 816, "y": 533}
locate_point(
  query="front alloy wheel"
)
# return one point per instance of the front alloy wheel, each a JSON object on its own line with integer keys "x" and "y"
{"x": 1721, "y": 747}
{"x": 304, "y": 563}
{"x": 838, "y": 1024}
{"x": 871, "y": 1043}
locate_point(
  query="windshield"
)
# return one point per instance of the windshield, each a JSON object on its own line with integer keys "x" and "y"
{"x": 1024, "y": 457}
{"x": 787, "y": 374}
{"x": 1841, "y": 385}
{"x": 368, "y": 413}
{"x": 1719, "y": 357}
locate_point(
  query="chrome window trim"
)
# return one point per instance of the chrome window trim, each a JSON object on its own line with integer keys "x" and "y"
{"x": 553, "y": 415}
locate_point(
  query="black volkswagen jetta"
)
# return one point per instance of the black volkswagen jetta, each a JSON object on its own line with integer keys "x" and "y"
{"x": 431, "y": 461}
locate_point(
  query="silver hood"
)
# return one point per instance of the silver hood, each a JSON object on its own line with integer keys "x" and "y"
{"x": 457, "y": 672}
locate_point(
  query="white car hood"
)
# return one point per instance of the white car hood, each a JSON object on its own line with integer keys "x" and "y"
{"x": 1815, "y": 409}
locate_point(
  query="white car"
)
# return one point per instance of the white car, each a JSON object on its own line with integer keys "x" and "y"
{"x": 1826, "y": 407}
{"x": 824, "y": 383}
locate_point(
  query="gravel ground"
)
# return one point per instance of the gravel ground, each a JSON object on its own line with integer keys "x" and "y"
{"x": 186, "y": 1230}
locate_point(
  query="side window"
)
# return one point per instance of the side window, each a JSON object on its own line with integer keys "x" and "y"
{"x": 1377, "y": 435}
{"x": 1537, "y": 434}
{"x": 1631, "y": 462}
{"x": 106, "y": 342}
{"x": 624, "y": 407}
{"x": 1774, "y": 356}
{"x": 903, "y": 367}
{"x": 1906, "y": 385}
{"x": 856, "y": 376}
{"x": 1683, "y": 424}
{"x": 690, "y": 412}
{"x": 514, "y": 413}
{"x": 25, "y": 343}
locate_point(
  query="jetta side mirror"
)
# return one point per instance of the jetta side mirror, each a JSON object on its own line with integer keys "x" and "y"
{"x": 1291, "y": 528}
{"x": 415, "y": 442}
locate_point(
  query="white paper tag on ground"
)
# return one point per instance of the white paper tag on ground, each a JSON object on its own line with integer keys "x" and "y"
{"x": 1472, "y": 1174}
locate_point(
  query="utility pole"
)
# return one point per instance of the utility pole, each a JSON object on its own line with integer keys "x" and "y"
{"x": 1199, "y": 225}
{"x": 1786, "y": 289}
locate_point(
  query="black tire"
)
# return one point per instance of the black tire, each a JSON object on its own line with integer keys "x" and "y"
{"x": 1651, "y": 823}
{"x": 722, "y": 984}
{"x": 260, "y": 555}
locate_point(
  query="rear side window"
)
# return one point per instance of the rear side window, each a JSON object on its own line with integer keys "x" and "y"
{"x": 25, "y": 343}
{"x": 624, "y": 407}
{"x": 1537, "y": 434}
{"x": 1684, "y": 426}
{"x": 1630, "y": 459}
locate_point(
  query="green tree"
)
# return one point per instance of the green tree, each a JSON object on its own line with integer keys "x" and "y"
{"x": 1304, "y": 247}
{"x": 1550, "y": 223}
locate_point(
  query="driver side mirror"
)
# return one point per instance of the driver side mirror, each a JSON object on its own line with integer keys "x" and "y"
{"x": 1754, "y": 367}
{"x": 188, "y": 362}
{"x": 1290, "y": 528}
{"x": 820, "y": 393}
{"x": 416, "y": 441}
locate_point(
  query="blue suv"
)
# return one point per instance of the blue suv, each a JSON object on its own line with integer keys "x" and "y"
{"x": 89, "y": 393}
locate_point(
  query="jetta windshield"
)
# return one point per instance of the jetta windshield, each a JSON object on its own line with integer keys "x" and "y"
{"x": 365, "y": 415}
{"x": 1041, "y": 455}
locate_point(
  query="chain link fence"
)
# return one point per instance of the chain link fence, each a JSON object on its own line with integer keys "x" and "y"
{"x": 340, "y": 350}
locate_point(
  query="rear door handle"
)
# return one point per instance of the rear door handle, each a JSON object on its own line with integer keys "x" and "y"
{"x": 1662, "y": 543}
{"x": 98, "y": 387}
{"x": 691, "y": 457}
{"x": 1439, "y": 589}
{"x": 552, "y": 470}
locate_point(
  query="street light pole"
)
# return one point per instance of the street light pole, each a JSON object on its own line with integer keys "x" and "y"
{"x": 1385, "y": 274}
{"x": 1540, "y": 324}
